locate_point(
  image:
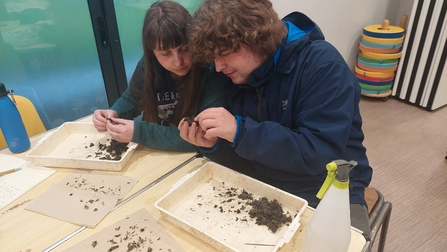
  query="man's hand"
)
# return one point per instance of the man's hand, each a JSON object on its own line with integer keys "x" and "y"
{"x": 217, "y": 122}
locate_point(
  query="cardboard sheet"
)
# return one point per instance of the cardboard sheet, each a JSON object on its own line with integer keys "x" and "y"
{"x": 100, "y": 182}
{"x": 83, "y": 197}
{"x": 77, "y": 206}
{"x": 137, "y": 232}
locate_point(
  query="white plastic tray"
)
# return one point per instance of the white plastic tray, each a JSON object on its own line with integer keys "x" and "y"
{"x": 69, "y": 146}
{"x": 198, "y": 204}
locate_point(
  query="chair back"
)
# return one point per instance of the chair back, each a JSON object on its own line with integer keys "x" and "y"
{"x": 30, "y": 117}
{"x": 379, "y": 211}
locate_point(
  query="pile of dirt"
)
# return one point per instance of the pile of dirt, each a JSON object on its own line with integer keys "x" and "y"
{"x": 112, "y": 150}
{"x": 268, "y": 213}
{"x": 265, "y": 212}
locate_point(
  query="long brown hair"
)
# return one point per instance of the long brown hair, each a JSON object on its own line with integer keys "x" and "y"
{"x": 165, "y": 25}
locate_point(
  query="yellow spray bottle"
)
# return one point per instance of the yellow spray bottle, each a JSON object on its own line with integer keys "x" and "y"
{"x": 329, "y": 228}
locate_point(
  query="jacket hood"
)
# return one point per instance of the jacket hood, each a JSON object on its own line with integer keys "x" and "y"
{"x": 301, "y": 30}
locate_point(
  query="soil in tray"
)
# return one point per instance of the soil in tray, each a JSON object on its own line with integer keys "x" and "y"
{"x": 113, "y": 150}
{"x": 268, "y": 213}
{"x": 265, "y": 212}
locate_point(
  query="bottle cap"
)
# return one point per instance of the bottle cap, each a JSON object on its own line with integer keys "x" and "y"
{"x": 3, "y": 91}
{"x": 337, "y": 174}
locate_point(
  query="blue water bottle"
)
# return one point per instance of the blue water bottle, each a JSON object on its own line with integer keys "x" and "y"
{"x": 11, "y": 123}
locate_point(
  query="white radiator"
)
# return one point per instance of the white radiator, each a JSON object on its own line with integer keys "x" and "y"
{"x": 420, "y": 78}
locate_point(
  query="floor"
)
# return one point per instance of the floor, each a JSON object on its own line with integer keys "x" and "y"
{"x": 406, "y": 146}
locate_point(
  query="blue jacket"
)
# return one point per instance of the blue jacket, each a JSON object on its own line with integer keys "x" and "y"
{"x": 298, "y": 112}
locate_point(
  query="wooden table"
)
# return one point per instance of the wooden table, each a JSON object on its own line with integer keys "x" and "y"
{"x": 21, "y": 229}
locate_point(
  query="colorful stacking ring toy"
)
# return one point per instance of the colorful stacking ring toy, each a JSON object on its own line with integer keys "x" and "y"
{"x": 380, "y": 50}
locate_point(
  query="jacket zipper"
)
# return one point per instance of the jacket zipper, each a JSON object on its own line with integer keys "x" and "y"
{"x": 259, "y": 94}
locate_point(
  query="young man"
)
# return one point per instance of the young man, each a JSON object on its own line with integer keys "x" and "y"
{"x": 293, "y": 107}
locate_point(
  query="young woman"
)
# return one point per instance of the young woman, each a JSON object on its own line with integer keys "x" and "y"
{"x": 165, "y": 86}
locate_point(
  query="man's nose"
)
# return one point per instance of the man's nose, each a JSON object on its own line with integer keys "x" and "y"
{"x": 219, "y": 64}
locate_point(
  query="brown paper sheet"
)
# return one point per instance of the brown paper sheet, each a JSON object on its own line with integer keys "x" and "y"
{"x": 83, "y": 197}
{"x": 73, "y": 205}
{"x": 99, "y": 182}
{"x": 137, "y": 232}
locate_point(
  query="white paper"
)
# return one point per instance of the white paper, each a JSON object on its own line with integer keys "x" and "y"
{"x": 14, "y": 185}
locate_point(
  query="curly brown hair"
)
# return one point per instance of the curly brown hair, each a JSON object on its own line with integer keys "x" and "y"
{"x": 220, "y": 25}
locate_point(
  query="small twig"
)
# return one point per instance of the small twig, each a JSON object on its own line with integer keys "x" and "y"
{"x": 258, "y": 244}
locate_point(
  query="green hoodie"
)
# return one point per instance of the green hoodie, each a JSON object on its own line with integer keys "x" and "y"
{"x": 164, "y": 137}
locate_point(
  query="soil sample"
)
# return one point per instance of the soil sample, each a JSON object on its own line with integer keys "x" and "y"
{"x": 269, "y": 213}
{"x": 261, "y": 210}
{"x": 190, "y": 120}
{"x": 111, "y": 151}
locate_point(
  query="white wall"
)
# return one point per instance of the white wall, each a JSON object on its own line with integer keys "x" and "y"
{"x": 342, "y": 21}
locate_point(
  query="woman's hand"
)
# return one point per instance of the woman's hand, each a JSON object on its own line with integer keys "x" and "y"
{"x": 120, "y": 129}
{"x": 100, "y": 117}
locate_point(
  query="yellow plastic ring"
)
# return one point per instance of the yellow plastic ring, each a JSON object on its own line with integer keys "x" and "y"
{"x": 382, "y": 55}
{"x": 382, "y": 40}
